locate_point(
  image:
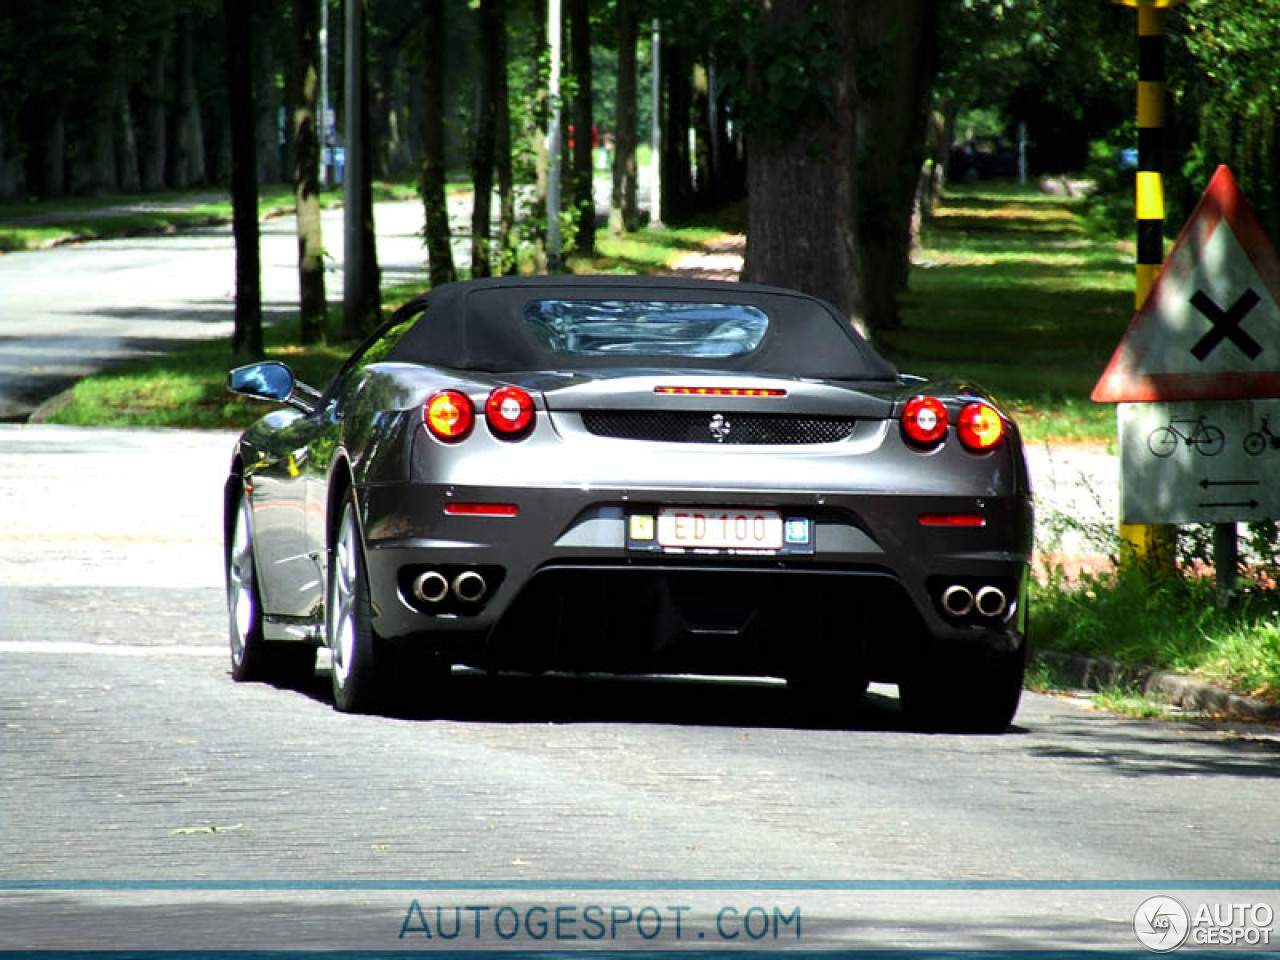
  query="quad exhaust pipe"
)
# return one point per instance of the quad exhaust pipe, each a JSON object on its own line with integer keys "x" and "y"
{"x": 432, "y": 587}
{"x": 469, "y": 587}
{"x": 990, "y": 601}
{"x": 959, "y": 601}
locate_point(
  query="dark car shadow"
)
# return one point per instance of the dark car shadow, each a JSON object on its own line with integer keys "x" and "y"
{"x": 475, "y": 697}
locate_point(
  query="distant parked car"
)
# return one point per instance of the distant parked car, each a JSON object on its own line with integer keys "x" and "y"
{"x": 982, "y": 158}
{"x": 631, "y": 475}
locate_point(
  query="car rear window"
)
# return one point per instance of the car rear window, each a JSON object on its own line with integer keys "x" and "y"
{"x": 595, "y": 328}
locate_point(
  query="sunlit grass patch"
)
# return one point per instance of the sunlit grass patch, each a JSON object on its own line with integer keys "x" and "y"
{"x": 187, "y": 388}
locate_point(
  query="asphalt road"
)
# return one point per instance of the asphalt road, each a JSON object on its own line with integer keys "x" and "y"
{"x": 148, "y": 802}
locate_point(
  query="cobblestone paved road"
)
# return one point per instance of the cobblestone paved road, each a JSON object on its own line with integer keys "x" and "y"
{"x": 147, "y": 801}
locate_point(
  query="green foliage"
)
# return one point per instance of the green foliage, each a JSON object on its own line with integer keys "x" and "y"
{"x": 1109, "y": 207}
{"x": 1224, "y": 102}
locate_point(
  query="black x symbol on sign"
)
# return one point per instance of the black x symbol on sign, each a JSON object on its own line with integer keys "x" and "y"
{"x": 1226, "y": 324}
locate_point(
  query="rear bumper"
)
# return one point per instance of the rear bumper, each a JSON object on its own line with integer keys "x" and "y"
{"x": 564, "y": 592}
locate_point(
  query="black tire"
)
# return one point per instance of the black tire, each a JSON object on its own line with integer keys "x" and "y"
{"x": 977, "y": 694}
{"x": 358, "y": 683}
{"x": 1254, "y": 444}
{"x": 253, "y": 658}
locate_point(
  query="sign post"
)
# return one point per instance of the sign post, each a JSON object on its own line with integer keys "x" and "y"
{"x": 1153, "y": 544}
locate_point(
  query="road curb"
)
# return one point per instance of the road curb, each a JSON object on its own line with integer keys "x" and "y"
{"x": 1189, "y": 693}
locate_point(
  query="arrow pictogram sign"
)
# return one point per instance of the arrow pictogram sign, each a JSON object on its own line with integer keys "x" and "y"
{"x": 1210, "y": 328}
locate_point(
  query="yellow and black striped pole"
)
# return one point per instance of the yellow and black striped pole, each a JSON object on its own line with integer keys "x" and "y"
{"x": 1152, "y": 544}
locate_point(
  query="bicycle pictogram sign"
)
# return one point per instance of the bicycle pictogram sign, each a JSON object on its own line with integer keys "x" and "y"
{"x": 1204, "y": 438}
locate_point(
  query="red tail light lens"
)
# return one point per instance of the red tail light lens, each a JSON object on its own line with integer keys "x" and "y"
{"x": 924, "y": 421}
{"x": 449, "y": 415}
{"x": 509, "y": 411}
{"x": 980, "y": 427}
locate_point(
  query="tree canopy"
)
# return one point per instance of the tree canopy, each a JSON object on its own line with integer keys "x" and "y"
{"x": 126, "y": 95}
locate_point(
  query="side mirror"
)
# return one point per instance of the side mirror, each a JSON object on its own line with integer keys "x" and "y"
{"x": 262, "y": 381}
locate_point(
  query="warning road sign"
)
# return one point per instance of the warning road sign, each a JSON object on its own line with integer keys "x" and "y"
{"x": 1210, "y": 328}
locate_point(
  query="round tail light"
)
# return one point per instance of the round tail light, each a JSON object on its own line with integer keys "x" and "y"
{"x": 509, "y": 411}
{"x": 449, "y": 415}
{"x": 980, "y": 427}
{"x": 924, "y": 421}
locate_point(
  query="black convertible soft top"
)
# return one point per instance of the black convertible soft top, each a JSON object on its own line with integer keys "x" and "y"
{"x": 480, "y": 325}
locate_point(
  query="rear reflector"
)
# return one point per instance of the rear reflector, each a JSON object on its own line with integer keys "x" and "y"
{"x": 721, "y": 391}
{"x": 481, "y": 510}
{"x": 952, "y": 520}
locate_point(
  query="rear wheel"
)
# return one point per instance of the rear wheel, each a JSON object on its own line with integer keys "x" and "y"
{"x": 975, "y": 694}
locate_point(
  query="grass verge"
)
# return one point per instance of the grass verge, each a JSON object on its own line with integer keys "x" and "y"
{"x": 1166, "y": 623}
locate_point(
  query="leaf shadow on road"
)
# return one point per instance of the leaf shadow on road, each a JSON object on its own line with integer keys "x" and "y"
{"x": 1160, "y": 749}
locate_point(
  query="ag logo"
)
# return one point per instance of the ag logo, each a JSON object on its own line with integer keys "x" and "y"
{"x": 1161, "y": 924}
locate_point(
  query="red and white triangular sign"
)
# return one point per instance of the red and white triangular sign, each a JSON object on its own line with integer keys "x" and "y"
{"x": 1210, "y": 328}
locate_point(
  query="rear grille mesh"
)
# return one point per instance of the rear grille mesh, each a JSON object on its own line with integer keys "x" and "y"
{"x": 679, "y": 426}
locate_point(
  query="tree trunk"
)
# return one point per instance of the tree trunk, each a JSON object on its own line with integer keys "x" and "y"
{"x": 53, "y": 153}
{"x": 10, "y": 169}
{"x": 361, "y": 286}
{"x": 93, "y": 169}
{"x": 305, "y": 141}
{"x": 246, "y": 340}
{"x": 502, "y": 146}
{"x": 483, "y": 140}
{"x": 155, "y": 129}
{"x": 537, "y": 133}
{"x": 704, "y": 140}
{"x": 12, "y": 179}
{"x": 802, "y": 215}
{"x": 583, "y": 193}
{"x": 128, "y": 173}
{"x": 267, "y": 104}
{"x": 897, "y": 57}
{"x": 188, "y": 147}
{"x": 439, "y": 245}
{"x": 624, "y": 214}
{"x": 677, "y": 174}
